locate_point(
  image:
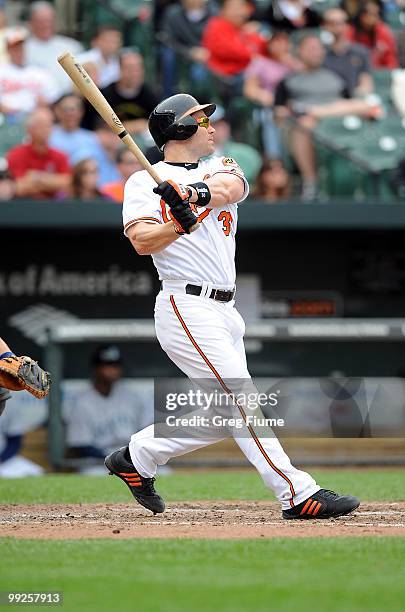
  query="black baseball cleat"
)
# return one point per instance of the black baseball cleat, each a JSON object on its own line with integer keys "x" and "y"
{"x": 119, "y": 464}
{"x": 323, "y": 504}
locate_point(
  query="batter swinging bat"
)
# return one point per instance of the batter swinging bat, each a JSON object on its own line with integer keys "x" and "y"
{"x": 90, "y": 90}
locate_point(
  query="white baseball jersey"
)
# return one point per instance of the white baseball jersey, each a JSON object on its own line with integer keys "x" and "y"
{"x": 205, "y": 255}
{"x": 20, "y": 87}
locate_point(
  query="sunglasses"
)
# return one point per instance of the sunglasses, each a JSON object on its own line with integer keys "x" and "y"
{"x": 204, "y": 122}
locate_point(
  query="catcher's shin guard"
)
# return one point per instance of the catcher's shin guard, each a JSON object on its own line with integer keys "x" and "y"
{"x": 119, "y": 464}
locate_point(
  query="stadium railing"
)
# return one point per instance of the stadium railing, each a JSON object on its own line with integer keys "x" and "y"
{"x": 284, "y": 330}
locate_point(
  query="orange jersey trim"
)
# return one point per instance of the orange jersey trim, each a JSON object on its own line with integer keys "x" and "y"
{"x": 164, "y": 211}
{"x": 139, "y": 219}
{"x": 204, "y": 214}
{"x": 238, "y": 174}
{"x": 168, "y": 217}
{"x": 229, "y": 392}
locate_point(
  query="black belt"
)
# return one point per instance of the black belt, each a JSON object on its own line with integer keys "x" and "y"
{"x": 216, "y": 294}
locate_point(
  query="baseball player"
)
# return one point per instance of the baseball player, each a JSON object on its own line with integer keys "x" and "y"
{"x": 18, "y": 373}
{"x": 197, "y": 324}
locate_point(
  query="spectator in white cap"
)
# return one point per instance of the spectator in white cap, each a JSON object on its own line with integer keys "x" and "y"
{"x": 45, "y": 45}
{"x": 22, "y": 88}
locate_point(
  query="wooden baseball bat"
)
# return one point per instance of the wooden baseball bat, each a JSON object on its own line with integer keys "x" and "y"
{"x": 90, "y": 91}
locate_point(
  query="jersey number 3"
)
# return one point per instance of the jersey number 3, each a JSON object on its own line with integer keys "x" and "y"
{"x": 226, "y": 219}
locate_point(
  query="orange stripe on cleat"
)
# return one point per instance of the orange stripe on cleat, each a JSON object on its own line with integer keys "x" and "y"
{"x": 318, "y": 507}
{"x": 312, "y": 506}
{"x": 309, "y": 502}
{"x": 135, "y": 484}
{"x": 128, "y": 474}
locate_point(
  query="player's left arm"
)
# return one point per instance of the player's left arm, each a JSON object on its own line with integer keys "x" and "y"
{"x": 224, "y": 184}
{"x": 225, "y": 188}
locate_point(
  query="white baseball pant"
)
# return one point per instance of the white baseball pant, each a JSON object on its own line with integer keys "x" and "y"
{"x": 204, "y": 338}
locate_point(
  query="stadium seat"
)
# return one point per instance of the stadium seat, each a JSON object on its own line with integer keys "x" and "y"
{"x": 338, "y": 176}
{"x": 248, "y": 158}
{"x": 382, "y": 85}
{"x": 395, "y": 19}
{"x": 380, "y": 154}
{"x": 320, "y": 6}
{"x": 393, "y": 126}
{"x": 130, "y": 17}
{"x": 10, "y": 136}
{"x": 242, "y": 117}
{"x": 340, "y": 132}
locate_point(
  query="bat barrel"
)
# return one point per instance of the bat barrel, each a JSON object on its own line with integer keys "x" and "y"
{"x": 91, "y": 92}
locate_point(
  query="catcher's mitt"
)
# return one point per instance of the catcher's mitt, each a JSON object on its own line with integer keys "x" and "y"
{"x": 18, "y": 373}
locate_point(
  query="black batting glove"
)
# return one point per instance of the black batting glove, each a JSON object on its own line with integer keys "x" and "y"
{"x": 172, "y": 193}
{"x": 176, "y": 196}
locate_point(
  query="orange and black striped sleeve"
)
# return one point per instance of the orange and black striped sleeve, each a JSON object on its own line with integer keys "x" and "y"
{"x": 138, "y": 220}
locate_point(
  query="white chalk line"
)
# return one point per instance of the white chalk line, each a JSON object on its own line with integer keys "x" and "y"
{"x": 380, "y": 513}
{"x": 321, "y": 523}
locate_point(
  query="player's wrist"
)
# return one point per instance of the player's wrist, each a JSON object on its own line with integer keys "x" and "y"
{"x": 178, "y": 230}
{"x": 199, "y": 193}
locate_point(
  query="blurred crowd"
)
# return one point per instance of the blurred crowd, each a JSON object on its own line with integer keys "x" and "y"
{"x": 275, "y": 69}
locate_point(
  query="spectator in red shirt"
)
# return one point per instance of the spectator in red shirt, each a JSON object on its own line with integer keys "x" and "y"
{"x": 369, "y": 30}
{"x": 39, "y": 171}
{"x": 232, "y": 42}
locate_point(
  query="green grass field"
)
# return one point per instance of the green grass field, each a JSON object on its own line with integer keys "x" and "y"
{"x": 197, "y": 485}
{"x": 325, "y": 574}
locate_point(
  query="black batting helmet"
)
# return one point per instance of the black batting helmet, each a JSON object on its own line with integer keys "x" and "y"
{"x": 171, "y": 120}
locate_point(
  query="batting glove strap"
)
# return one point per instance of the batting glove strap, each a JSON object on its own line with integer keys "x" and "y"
{"x": 172, "y": 193}
{"x": 203, "y": 193}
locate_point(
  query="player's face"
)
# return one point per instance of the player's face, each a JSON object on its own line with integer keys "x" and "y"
{"x": 109, "y": 373}
{"x": 203, "y": 139}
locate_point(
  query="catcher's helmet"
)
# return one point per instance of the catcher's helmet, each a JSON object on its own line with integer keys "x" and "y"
{"x": 171, "y": 120}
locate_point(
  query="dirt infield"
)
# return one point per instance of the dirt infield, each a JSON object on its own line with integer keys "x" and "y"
{"x": 224, "y": 520}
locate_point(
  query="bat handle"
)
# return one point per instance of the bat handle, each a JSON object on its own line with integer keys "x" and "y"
{"x": 195, "y": 227}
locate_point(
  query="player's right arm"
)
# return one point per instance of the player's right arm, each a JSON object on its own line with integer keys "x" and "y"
{"x": 142, "y": 214}
{"x": 148, "y": 238}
